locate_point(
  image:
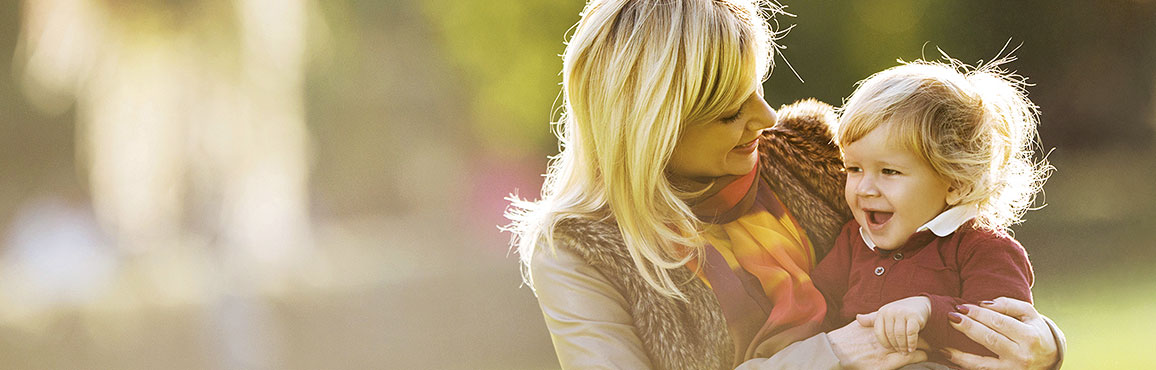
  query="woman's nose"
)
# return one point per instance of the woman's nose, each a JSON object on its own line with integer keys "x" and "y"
{"x": 766, "y": 116}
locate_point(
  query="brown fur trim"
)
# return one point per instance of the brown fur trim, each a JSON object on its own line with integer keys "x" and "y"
{"x": 803, "y": 165}
{"x": 677, "y": 334}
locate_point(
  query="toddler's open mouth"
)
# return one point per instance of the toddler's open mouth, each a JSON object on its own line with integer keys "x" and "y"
{"x": 876, "y": 219}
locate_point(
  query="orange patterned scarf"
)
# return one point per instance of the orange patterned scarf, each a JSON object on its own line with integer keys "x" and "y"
{"x": 758, "y": 261}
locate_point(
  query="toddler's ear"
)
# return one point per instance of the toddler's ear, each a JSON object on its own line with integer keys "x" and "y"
{"x": 955, "y": 193}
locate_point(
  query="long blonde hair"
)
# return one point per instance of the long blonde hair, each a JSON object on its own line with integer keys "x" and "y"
{"x": 975, "y": 126}
{"x": 634, "y": 73}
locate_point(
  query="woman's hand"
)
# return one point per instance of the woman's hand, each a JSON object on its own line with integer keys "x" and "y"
{"x": 856, "y": 347}
{"x": 1012, "y": 329}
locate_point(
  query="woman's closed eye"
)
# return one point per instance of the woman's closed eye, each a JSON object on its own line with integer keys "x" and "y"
{"x": 733, "y": 117}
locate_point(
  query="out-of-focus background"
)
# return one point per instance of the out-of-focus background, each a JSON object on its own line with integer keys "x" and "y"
{"x": 305, "y": 184}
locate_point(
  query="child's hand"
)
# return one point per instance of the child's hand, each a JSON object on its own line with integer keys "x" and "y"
{"x": 897, "y": 324}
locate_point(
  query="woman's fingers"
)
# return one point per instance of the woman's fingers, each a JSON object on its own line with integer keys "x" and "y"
{"x": 989, "y": 328}
{"x": 970, "y": 361}
{"x": 1035, "y": 344}
{"x": 1026, "y": 344}
{"x": 895, "y": 360}
{"x": 1012, "y": 307}
{"x": 922, "y": 345}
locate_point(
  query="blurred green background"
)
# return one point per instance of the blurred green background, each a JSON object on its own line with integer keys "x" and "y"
{"x": 301, "y": 184}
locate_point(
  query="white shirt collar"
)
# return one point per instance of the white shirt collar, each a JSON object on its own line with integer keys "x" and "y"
{"x": 942, "y": 225}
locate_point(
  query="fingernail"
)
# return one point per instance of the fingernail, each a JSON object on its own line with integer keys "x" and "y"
{"x": 961, "y": 308}
{"x": 945, "y": 353}
{"x": 955, "y": 317}
{"x": 987, "y": 303}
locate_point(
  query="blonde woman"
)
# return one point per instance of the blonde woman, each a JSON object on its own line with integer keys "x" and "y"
{"x": 678, "y": 225}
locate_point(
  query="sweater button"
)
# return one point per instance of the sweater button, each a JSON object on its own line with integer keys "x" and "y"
{"x": 897, "y": 256}
{"x": 879, "y": 271}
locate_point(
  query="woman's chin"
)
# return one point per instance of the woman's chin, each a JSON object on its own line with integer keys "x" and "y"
{"x": 744, "y": 168}
{"x": 741, "y": 165}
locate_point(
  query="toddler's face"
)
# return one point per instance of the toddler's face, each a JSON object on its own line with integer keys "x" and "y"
{"x": 891, "y": 191}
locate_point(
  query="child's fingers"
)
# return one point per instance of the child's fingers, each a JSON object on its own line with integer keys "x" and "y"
{"x": 901, "y": 329}
{"x": 881, "y": 333}
{"x": 913, "y": 328}
{"x": 896, "y": 334}
{"x": 867, "y": 320}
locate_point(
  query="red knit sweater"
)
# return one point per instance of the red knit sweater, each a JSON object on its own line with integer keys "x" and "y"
{"x": 967, "y": 266}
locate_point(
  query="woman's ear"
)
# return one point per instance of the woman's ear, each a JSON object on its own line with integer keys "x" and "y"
{"x": 955, "y": 193}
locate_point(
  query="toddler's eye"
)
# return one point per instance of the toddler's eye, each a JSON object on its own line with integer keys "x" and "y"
{"x": 852, "y": 169}
{"x": 888, "y": 171}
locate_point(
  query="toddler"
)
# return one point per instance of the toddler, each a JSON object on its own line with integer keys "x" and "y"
{"x": 939, "y": 163}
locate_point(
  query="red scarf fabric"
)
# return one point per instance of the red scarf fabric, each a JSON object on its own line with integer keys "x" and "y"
{"x": 758, "y": 263}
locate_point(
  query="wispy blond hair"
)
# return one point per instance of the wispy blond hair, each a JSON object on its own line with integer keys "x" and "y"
{"x": 974, "y": 125}
{"x": 634, "y": 74}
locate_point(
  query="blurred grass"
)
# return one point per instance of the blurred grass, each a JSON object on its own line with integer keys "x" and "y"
{"x": 1104, "y": 316}
{"x": 1091, "y": 248}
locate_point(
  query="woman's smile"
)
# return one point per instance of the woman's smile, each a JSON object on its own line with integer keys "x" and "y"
{"x": 748, "y": 147}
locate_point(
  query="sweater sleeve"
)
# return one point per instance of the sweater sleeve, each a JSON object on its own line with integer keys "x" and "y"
{"x": 811, "y": 353}
{"x": 989, "y": 268}
{"x": 1061, "y": 342}
{"x": 587, "y": 317}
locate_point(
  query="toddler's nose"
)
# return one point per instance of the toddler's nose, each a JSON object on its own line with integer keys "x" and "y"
{"x": 866, "y": 187}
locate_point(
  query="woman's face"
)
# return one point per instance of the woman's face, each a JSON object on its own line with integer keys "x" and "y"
{"x": 724, "y": 146}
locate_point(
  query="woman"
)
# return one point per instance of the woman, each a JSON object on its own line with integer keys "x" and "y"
{"x": 680, "y": 221}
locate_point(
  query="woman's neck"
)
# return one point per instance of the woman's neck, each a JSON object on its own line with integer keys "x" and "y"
{"x": 693, "y": 185}
{"x": 691, "y": 189}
